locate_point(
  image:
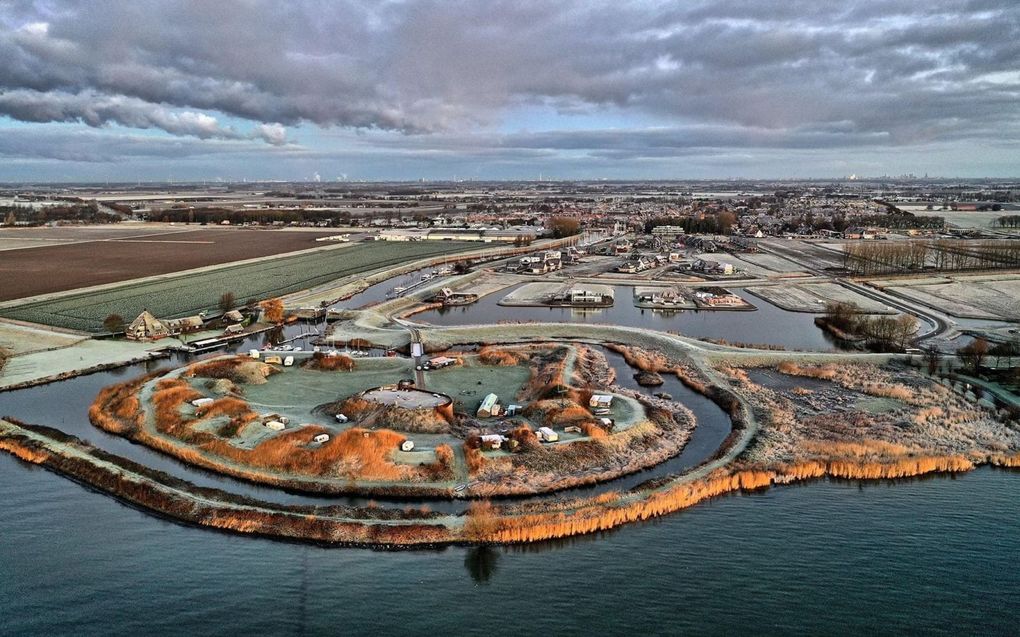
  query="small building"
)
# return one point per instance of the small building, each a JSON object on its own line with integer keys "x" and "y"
{"x": 200, "y": 402}
{"x": 321, "y": 438}
{"x": 490, "y": 404}
{"x": 440, "y": 362}
{"x": 274, "y": 360}
{"x": 254, "y": 353}
{"x": 668, "y": 232}
{"x": 407, "y": 445}
{"x": 288, "y": 362}
{"x": 545, "y": 434}
{"x": 236, "y": 328}
{"x": 600, "y": 401}
{"x": 275, "y": 425}
{"x": 492, "y": 441}
{"x": 233, "y": 316}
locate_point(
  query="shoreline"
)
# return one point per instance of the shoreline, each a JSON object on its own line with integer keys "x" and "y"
{"x": 158, "y": 493}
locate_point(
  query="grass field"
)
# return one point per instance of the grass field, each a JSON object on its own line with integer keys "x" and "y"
{"x": 190, "y": 294}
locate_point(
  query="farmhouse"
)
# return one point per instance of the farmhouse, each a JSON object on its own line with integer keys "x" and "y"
{"x": 146, "y": 328}
{"x": 186, "y": 324}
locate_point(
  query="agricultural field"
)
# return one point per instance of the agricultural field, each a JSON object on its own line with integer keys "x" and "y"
{"x": 812, "y": 297}
{"x": 979, "y": 297}
{"x": 769, "y": 262}
{"x": 189, "y": 294}
{"x": 35, "y": 261}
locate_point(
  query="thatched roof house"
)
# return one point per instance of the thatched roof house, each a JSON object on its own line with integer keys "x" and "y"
{"x": 147, "y": 328}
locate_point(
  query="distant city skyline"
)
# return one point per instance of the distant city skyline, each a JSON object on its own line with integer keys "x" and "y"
{"x": 199, "y": 91}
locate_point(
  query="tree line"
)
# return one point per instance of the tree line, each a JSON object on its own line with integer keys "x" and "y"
{"x": 885, "y": 257}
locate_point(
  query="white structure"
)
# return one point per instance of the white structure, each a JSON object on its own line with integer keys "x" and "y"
{"x": 546, "y": 434}
{"x": 407, "y": 445}
{"x": 198, "y": 402}
{"x": 288, "y": 362}
{"x": 275, "y": 425}
{"x": 600, "y": 401}
{"x": 321, "y": 438}
{"x": 492, "y": 441}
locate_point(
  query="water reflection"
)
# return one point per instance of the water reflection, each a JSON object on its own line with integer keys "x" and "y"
{"x": 482, "y": 562}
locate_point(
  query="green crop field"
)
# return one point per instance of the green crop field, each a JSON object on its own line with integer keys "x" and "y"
{"x": 177, "y": 296}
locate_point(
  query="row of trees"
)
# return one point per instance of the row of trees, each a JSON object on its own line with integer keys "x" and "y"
{"x": 1009, "y": 221}
{"x": 84, "y": 212}
{"x": 945, "y": 254}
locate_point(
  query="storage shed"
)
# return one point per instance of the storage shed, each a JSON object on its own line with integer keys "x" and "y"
{"x": 489, "y": 404}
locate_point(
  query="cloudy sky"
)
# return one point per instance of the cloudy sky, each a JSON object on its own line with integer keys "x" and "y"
{"x": 151, "y": 90}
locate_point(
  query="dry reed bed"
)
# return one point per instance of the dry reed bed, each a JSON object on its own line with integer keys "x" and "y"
{"x": 914, "y": 417}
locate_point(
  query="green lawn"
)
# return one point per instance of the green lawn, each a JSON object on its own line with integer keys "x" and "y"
{"x": 177, "y": 296}
{"x": 468, "y": 384}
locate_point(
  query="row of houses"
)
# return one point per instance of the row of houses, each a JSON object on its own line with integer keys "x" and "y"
{"x": 483, "y": 234}
{"x": 548, "y": 261}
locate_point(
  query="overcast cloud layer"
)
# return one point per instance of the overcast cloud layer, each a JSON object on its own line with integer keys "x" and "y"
{"x": 508, "y": 89}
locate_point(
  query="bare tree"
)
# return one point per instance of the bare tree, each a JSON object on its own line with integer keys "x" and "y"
{"x": 932, "y": 356}
{"x": 973, "y": 354}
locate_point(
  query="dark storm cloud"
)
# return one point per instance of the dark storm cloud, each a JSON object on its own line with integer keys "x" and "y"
{"x": 718, "y": 74}
{"x": 36, "y": 143}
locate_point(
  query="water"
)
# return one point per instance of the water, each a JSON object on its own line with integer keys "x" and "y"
{"x": 767, "y": 325}
{"x": 919, "y": 557}
{"x": 379, "y": 292}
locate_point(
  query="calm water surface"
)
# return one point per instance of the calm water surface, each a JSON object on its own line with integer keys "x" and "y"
{"x": 930, "y": 556}
{"x": 767, "y": 325}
